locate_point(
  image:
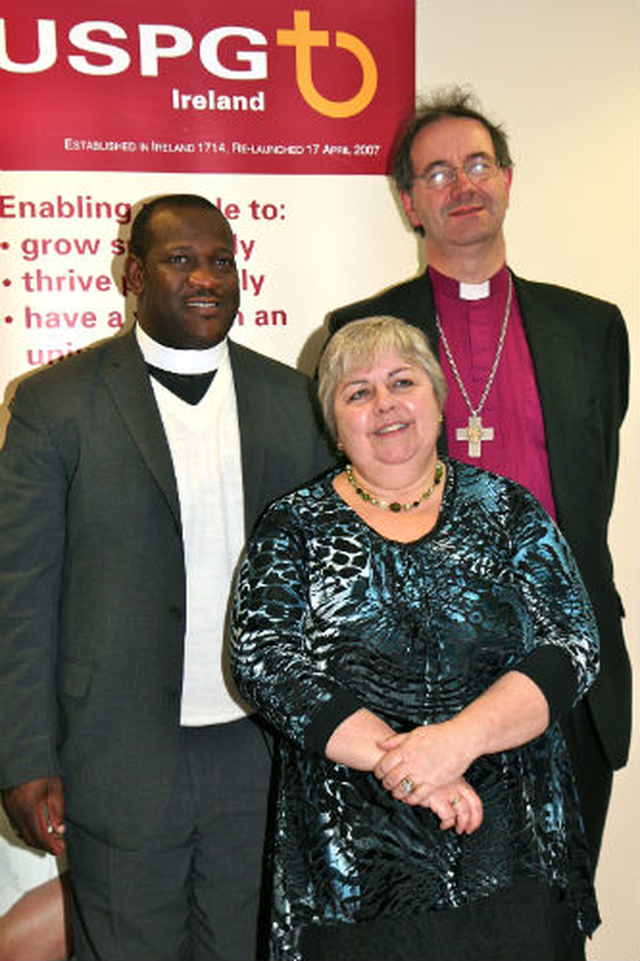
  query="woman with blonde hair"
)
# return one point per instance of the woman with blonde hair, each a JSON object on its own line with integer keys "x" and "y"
{"x": 414, "y": 628}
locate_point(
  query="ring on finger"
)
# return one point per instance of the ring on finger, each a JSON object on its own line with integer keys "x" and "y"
{"x": 456, "y": 800}
{"x": 407, "y": 784}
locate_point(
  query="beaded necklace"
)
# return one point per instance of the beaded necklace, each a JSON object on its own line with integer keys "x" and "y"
{"x": 394, "y": 506}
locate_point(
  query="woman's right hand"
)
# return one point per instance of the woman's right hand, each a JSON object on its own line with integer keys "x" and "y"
{"x": 356, "y": 740}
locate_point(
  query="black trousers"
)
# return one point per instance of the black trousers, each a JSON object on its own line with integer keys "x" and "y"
{"x": 193, "y": 891}
{"x": 526, "y": 922}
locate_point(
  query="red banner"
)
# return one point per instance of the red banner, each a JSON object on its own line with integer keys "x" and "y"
{"x": 314, "y": 87}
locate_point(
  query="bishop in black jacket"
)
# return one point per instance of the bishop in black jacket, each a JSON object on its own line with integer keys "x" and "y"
{"x": 453, "y": 172}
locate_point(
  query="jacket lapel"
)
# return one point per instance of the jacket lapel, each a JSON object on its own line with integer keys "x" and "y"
{"x": 128, "y": 383}
{"x": 252, "y": 427}
{"x": 563, "y": 395}
{"x": 425, "y": 294}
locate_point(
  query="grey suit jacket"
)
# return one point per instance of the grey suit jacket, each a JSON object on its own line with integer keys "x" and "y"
{"x": 92, "y": 585}
{"x": 580, "y": 355}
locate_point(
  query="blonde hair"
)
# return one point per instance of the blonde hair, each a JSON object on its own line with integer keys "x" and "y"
{"x": 359, "y": 344}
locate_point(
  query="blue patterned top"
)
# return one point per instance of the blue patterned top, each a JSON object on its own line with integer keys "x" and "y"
{"x": 330, "y": 616}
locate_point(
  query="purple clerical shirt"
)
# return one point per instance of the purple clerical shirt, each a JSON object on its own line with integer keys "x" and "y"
{"x": 472, "y": 317}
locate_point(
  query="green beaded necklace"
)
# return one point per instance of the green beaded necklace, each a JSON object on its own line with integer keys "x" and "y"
{"x": 394, "y": 506}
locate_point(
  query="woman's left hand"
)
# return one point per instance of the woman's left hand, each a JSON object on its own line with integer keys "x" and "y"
{"x": 428, "y": 758}
{"x": 457, "y": 805}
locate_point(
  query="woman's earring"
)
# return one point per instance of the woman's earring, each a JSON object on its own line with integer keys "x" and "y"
{"x": 340, "y": 447}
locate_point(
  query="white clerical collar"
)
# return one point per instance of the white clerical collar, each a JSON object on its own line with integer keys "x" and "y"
{"x": 180, "y": 361}
{"x": 475, "y": 291}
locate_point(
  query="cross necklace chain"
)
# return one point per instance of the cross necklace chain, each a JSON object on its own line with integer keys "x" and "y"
{"x": 474, "y": 433}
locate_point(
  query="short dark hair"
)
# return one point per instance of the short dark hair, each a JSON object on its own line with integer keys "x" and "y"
{"x": 141, "y": 239}
{"x": 446, "y": 102}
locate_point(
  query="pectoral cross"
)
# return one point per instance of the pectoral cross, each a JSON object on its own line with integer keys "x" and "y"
{"x": 474, "y": 433}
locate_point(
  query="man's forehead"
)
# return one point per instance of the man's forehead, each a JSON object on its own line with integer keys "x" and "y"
{"x": 459, "y": 136}
{"x": 170, "y": 223}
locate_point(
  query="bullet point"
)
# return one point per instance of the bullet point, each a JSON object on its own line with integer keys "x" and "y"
{"x": 6, "y": 282}
{"x": 8, "y": 320}
{"x": 4, "y": 245}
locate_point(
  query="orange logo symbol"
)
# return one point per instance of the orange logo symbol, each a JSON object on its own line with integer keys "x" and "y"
{"x": 303, "y": 39}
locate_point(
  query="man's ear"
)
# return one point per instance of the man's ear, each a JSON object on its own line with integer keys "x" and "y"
{"x": 508, "y": 176}
{"x": 407, "y": 203}
{"x": 134, "y": 274}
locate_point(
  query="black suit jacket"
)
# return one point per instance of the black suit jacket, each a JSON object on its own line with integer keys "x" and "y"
{"x": 92, "y": 585}
{"x": 580, "y": 355}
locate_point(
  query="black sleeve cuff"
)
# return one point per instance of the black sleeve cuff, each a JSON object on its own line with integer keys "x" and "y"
{"x": 553, "y": 671}
{"x": 327, "y": 718}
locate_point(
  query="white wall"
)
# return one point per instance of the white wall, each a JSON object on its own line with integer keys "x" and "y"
{"x": 563, "y": 77}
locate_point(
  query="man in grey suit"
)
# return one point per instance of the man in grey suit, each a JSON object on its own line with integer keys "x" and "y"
{"x": 129, "y": 479}
{"x": 538, "y": 384}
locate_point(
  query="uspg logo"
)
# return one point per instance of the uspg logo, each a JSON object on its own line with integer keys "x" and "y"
{"x": 101, "y": 48}
{"x": 303, "y": 39}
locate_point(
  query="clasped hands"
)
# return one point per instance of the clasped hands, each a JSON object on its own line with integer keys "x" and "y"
{"x": 424, "y": 767}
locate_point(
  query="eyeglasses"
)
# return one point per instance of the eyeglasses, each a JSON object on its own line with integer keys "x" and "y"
{"x": 476, "y": 169}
